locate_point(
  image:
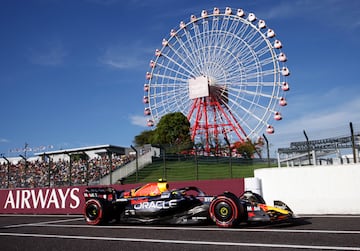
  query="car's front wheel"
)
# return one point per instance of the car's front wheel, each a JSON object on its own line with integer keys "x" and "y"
{"x": 225, "y": 211}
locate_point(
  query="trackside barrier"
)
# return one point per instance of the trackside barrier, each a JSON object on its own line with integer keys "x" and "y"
{"x": 69, "y": 200}
{"x": 254, "y": 185}
{"x": 315, "y": 189}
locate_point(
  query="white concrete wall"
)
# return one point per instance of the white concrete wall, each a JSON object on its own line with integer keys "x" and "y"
{"x": 313, "y": 190}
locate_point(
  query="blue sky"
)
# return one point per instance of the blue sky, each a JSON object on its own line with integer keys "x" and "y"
{"x": 72, "y": 71}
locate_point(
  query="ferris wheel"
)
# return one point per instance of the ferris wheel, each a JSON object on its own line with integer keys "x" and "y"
{"x": 225, "y": 71}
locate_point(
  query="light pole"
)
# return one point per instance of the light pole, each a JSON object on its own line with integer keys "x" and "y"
{"x": 25, "y": 171}
{"x": 137, "y": 162}
{"x": 353, "y": 142}
{"x": 267, "y": 150}
{"x": 49, "y": 168}
{"x": 8, "y": 169}
{"x": 230, "y": 153}
{"x": 308, "y": 146}
{"x": 109, "y": 154}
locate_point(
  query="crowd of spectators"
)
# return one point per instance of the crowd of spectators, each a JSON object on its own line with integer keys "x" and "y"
{"x": 40, "y": 173}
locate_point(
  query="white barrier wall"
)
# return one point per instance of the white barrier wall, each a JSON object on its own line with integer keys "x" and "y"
{"x": 313, "y": 190}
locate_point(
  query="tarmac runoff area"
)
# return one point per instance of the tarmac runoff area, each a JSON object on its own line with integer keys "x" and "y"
{"x": 58, "y": 232}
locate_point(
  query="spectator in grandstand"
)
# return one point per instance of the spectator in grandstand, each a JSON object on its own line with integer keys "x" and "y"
{"x": 37, "y": 173}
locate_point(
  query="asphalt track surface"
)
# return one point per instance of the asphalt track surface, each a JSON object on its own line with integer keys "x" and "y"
{"x": 29, "y": 232}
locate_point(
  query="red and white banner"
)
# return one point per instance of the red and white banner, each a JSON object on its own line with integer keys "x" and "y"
{"x": 70, "y": 200}
{"x": 66, "y": 200}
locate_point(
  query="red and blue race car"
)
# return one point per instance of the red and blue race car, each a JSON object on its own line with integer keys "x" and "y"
{"x": 156, "y": 203}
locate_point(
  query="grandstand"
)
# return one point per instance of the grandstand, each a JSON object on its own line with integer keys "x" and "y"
{"x": 102, "y": 164}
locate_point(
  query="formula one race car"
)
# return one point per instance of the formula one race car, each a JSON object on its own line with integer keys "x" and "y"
{"x": 155, "y": 203}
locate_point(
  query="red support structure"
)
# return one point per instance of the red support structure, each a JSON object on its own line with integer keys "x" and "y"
{"x": 211, "y": 119}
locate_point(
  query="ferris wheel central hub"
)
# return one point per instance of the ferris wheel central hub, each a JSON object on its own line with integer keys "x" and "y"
{"x": 212, "y": 81}
{"x": 198, "y": 87}
{"x": 201, "y": 86}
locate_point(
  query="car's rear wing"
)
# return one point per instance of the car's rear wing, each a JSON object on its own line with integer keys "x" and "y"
{"x": 106, "y": 193}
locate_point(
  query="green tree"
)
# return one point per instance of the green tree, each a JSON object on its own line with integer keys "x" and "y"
{"x": 173, "y": 130}
{"x": 246, "y": 149}
{"x": 145, "y": 137}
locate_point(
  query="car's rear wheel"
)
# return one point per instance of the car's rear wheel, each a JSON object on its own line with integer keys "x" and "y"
{"x": 225, "y": 210}
{"x": 94, "y": 212}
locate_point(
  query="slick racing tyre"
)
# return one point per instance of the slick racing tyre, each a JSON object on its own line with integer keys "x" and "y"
{"x": 94, "y": 212}
{"x": 225, "y": 210}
